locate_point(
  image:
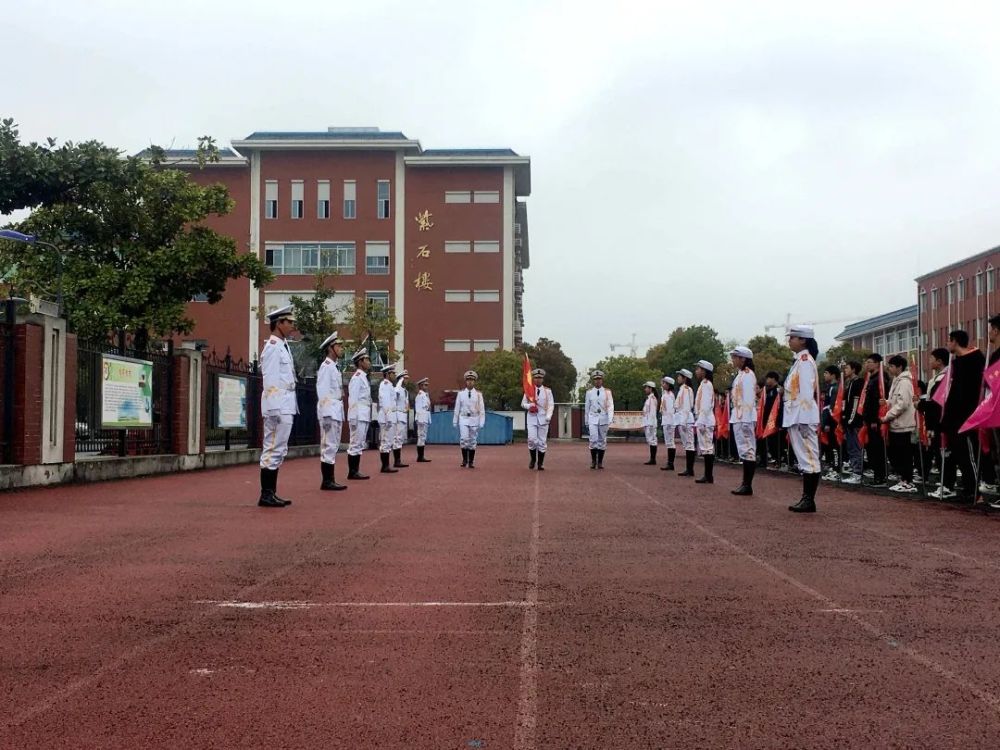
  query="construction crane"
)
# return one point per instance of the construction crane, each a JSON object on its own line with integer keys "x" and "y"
{"x": 633, "y": 347}
{"x": 788, "y": 322}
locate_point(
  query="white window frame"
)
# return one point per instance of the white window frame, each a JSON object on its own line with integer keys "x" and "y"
{"x": 457, "y": 345}
{"x": 935, "y": 298}
{"x": 980, "y": 284}
{"x": 298, "y": 206}
{"x": 991, "y": 282}
{"x": 383, "y": 208}
{"x": 457, "y": 196}
{"x": 379, "y": 294}
{"x": 486, "y": 196}
{"x": 270, "y": 199}
{"x": 922, "y": 301}
{"x": 486, "y": 246}
{"x": 485, "y": 345}
{"x": 486, "y": 295}
{"x": 350, "y": 199}
{"x": 457, "y": 295}
{"x": 949, "y": 294}
{"x": 457, "y": 246}
{"x": 960, "y": 289}
{"x": 377, "y": 250}
{"x": 321, "y": 249}
{"x": 322, "y": 199}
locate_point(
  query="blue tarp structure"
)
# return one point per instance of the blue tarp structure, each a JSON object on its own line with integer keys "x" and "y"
{"x": 498, "y": 430}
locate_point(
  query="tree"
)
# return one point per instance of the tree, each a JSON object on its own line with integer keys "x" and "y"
{"x": 843, "y": 353}
{"x": 363, "y": 318}
{"x": 769, "y": 354}
{"x": 625, "y": 376}
{"x": 500, "y": 378}
{"x": 129, "y": 248}
{"x": 683, "y": 348}
{"x": 560, "y": 374}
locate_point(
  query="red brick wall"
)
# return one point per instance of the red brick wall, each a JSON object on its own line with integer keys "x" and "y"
{"x": 181, "y": 395}
{"x": 69, "y": 415}
{"x": 27, "y": 437}
{"x": 960, "y": 314}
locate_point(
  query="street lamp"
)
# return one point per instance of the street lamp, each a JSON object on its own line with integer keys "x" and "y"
{"x": 30, "y": 239}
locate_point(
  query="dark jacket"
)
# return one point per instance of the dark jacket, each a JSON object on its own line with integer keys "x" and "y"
{"x": 965, "y": 390}
{"x": 852, "y": 399}
{"x": 829, "y": 399}
{"x": 931, "y": 409}
{"x": 872, "y": 397}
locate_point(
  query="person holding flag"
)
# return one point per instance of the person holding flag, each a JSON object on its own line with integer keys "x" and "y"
{"x": 850, "y": 420}
{"x": 649, "y": 409}
{"x": 684, "y": 420}
{"x": 930, "y": 409}
{"x": 769, "y": 420}
{"x": 901, "y": 418}
{"x": 873, "y": 408}
{"x": 667, "y": 420}
{"x": 828, "y": 437}
{"x": 704, "y": 418}
{"x": 961, "y": 393}
{"x": 540, "y": 405}
{"x": 801, "y": 416}
{"x": 743, "y": 415}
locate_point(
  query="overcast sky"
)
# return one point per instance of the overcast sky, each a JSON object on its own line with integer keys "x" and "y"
{"x": 719, "y": 163}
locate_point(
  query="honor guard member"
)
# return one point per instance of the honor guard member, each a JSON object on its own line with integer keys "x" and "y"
{"x": 386, "y": 417}
{"x": 704, "y": 417}
{"x": 743, "y": 415}
{"x": 537, "y": 419}
{"x": 470, "y": 416}
{"x": 422, "y": 417}
{"x": 402, "y": 419}
{"x": 801, "y": 413}
{"x": 330, "y": 409}
{"x": 667, "y": 420}
{"x": 359, "y": 412}
{"x": 278, "y": 404}
{"x": 684, "y": 419}
{"x": 649, "y": 409}
{"x": 600, "y": 410}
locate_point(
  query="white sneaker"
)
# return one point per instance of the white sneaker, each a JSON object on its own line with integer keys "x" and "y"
{"x": 831, "y": 476}
{"x": 852, "y": 479}
{"x": 942, "y": 492}
{"x": 903, "y": 487}
{"x": 869, "y": 474}
{"x": 984, "y": 487}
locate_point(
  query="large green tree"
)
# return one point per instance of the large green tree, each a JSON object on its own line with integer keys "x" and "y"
{"x": 500, "y": 375}
{"x": 843, "y": 353}
{"x": 625, "y": 376}
{"x": 560, "y": 374}
{"x": 129, "y": 249}
{"x": 683, "y": 348}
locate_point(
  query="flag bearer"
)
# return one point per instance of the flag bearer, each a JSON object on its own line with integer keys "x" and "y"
{"x": 330, "y": 409}
{"x": 704, "y": 419}
{"x": 422, "y": 417}
{"x": 649, "y": 409}
{"x": 801, "y": 417}
{"x": 600, "y": 410}
{"x": 743, "y": 415}
{"x": 667, "y": 420}
{"x": 359, "y": 412}
{"x": 402, "y": 419}
{"x": 386, "y": 417}
{"x": 537, "y": 420}
{"x": 470, "y": 416}
{"x": 278, "y": 404}
{"x": 684, "y": 419}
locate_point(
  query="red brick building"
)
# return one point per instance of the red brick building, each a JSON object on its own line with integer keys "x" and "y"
{"x": 438, "y": 235}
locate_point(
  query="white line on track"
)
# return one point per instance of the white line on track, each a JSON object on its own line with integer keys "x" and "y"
{"x": 991, "y": 700}
{"x": 527, "y": 704}
{"x": 233, "y": 604}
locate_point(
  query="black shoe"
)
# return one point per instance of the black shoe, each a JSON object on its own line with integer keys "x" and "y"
{"x": 533, "y": 453}
{"x": 330, "y": 479}
{"x": 805, "y": 505}
{"x": 384, "y": 458}
{"x": 274, "y": 488}
{"x": 397, "y": 454}
{"x": 593, "y": 458}
{"x": 420, "y": 456}
{"x": 688, "y": 465}
{"x": 472, "y": 458}
{"x": 671, "y": 453}
{"x": 465, "y": 457}
{"x": 541, "y": 461}
{"x": 354, "y": 468}
{"x": 600, "y": 458}
{"x": 268, "y": 500}
{"x": 709, "y": 478}
{"x": 810, "y": 482}
{"x": 746, "y": 488}
{"x": 652, "y": 456}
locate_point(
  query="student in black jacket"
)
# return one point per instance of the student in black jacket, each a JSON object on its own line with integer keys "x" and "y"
{"x": 769, "y": 449}
{"x": 870, "y": 414}
{"x": 831, "y": 384}
{"x": 931, "y": 411}
{"x": 967, "y": 365}
{"x": 853, "y": 421}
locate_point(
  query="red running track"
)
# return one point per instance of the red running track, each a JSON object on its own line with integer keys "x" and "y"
{"x": 495, "y": 608}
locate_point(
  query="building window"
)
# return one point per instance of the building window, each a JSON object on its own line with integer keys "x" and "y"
{"x": 961, "y": 289}
{"x": 377, "y": 301}
{"x": 480, "y": 246}
{"x": 979, "y": 284}
{"x": 990, "y": 280}
{"x": 486, "y": 295}
{"x": 922, "y": 297}
{"x": 457, "y": 196}
{"x": 979, "y": 328}
{"x": 914, "y": 339}
{"x": 300, "y": 258}
{"x": 271, "y": 199}
{"x": 457, "y": 345}
{"x": 934, "y": 299}
{"x": 383, "y": 199}
{"x": 452, "y": 246}
{"x": 486, "y": 196}
{"x": 457, "y": 295}
{"x": 350, "y": 199}
{"x": 298, "y": 203}
{"x": 949, "y": 295}
{"x": 377, "y": 258}
{"x": 323, "y": 199}
{"x": 485, "y": 345}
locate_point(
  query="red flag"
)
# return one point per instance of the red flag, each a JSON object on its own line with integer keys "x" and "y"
{"x": 761, "y": 403}
{"x": 837, "y": 411}
{"x": 722, "y": 420}
{"x": 987, "y": 414}
{"x": 527, "y": 381}
{"x": 924, "y": 438}
{"x": 772, "y": 418}
{"x": 941, "y": 394}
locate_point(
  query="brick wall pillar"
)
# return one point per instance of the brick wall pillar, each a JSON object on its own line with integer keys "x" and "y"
{"x": 26, "y": 440}
{"x": 188, "y": 426}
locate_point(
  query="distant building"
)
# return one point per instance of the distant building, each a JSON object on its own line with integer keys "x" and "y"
{"x": 895, "y": 332}
{"x": 960, "y": 295}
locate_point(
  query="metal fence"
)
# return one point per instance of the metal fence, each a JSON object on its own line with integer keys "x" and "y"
{"x": 91, "y": 436}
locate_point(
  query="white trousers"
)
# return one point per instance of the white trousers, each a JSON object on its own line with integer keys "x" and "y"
{"x": 706, "y": 440}
{"x": 359, "y": 434}
{"x": 468, "y": 436}
{"x": 746, "y": 440}
{"x": 599, "y": 436}
{"x": 329, "y": 442}
{"x": 805, "y": 443}
{"x": 686, "y": 434}
{"x": 399, "y": 436}
{"x": 650, "y": 434}
{"x": 386, "y": 434}
{"x": 538, "y": 437}
{"x": 277, "y": 429}
{"x": 422, "y": 434}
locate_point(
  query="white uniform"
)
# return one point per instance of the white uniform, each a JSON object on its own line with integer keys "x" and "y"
{"x": 600, "y": 410}
{"x": 386, "y": 415}
{"x": 470, "y": 416}
{"x": 278, "y": 401}
{"x": 422, "y": 417}
{"x": 684, "y": 416}
{"x": 743, "y": 414}
{"x": 359, "y": 411}
{"x": 402, "y": 415}
{"x": 538, "y": 422}
{"x": 667, "y": 417}
{"x": 329, "y": 409}
{"x": 649, "y": 418}
{"x": 801, "y": 411}
{"x": 704, "y": 418}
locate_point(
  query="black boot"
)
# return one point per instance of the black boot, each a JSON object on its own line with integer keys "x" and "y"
{"x": 267, "y": 498}
{"x": 533, "y": 453}
{"x": 671, "y": 452}
{"x": 749, "y": 467}
{"x": 652, "y": 456}
{"x": 330, "y": 479}
{"x": 541, "y": 461}
{"x": 600, "y": 458}
{"x": 274, "y": 488}
{"x": 384, "y": 458}
{"x": 472, "y": 458}
{"x": 465, "y": 457}
{"x": 420, "y": 456}
{"x": 688, "y": 465}
{"x": 397, "y": 454}
{"x": 709, "y": 464}
{"x": 808, "y": 502}
{"x": 354, "y": 468}
{"x": 593, "y": 458}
